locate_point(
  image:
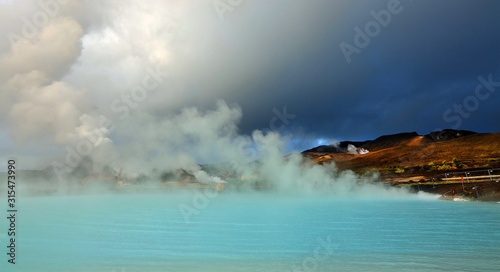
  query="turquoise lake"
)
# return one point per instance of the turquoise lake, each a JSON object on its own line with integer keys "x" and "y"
{"x": 252, "y": 232}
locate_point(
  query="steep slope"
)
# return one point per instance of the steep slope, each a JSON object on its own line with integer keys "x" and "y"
{"x": 415, "y": 153}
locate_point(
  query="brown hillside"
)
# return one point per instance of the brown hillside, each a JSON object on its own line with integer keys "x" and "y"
{"x": 389, "y": 141}
{"x": 410, "y": 154}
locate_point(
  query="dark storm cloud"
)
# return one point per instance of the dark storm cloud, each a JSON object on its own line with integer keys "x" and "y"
{"x": 426, "y": 60}
{"x": 83, "y": 61}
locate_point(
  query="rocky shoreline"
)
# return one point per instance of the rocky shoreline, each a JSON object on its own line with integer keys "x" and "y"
{"x": 474, "y": 191}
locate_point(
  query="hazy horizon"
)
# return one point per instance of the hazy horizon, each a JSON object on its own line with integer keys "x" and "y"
{"x": 179, "y": 83}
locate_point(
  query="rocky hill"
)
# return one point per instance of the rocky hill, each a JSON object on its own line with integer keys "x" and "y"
{"x": 405, "y": 155}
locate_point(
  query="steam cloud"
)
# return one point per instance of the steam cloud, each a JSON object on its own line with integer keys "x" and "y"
{"x": 64, "y": 63}
{"x": 61, "y": 76}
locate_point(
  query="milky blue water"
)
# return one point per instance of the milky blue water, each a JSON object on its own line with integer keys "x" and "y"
{"x": 252, "y": 232}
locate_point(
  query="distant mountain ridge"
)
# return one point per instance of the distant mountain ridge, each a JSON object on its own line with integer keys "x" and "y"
{"x": 387, "y": 141}
{"x": 409, "y": 154}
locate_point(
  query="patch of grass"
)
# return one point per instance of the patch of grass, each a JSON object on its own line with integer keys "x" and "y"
{"x": 397, "y": 168}
{"x": 444, "y": 167}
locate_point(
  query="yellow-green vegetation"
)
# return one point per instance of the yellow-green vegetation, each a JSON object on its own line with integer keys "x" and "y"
{"x": 432, "y": 166}
{"x": 494, "y": 160}
{"x": 399, "y": 170}
{"x": 444, "y": 167}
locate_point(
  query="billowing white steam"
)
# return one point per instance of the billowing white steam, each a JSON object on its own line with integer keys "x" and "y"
{"x": 351, "y": 149}
{"x": 62, "y": 81}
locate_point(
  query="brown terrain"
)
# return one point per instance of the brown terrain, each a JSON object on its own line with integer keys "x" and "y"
{"x": 438, "y": 162}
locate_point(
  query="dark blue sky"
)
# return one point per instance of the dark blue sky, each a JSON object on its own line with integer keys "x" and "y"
{"x": 343, "y": 69}
{"x": 426, "y": 60}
